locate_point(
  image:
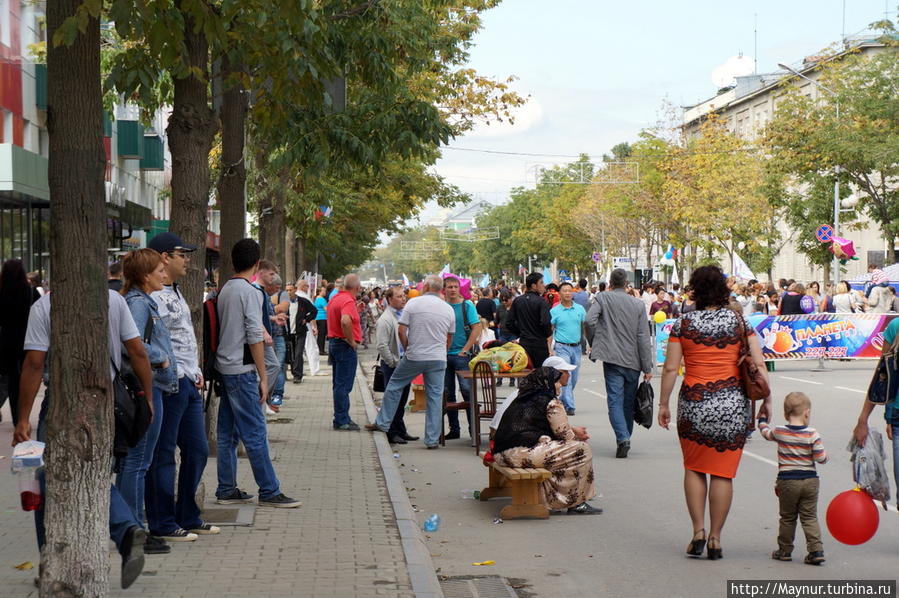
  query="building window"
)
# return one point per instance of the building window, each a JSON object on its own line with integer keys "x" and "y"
{"x": 4, "y": 22}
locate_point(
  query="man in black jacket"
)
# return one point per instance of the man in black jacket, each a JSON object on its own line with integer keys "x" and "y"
{"x": 529, "y": 319}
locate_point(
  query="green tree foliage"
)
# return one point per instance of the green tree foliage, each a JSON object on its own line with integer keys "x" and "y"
{"x": 808, "y": 141}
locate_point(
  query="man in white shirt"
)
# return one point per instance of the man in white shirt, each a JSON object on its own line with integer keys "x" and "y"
{"x": 426, "y": 329}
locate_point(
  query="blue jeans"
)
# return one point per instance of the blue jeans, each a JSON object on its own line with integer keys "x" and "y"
{"x": 241, "y": 418}
{"x": 121, "y": 517}
{"x": 621, "y": 391}
{"x": 573, "y": 356}
{"x": 454, "y": 363}
{"x": 505, "y": 338}
{"x": 343, "y": 360}
{"x": 280, "y": 345}
{"x": 398, "y": 425}
{"x": 183, "y": 426}
{"x": 131, "y": 480}
{"x": 896, "y": 456}
{"x": 402, "y": 376}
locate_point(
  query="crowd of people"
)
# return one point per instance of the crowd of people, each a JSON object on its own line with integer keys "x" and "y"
{"x": 271, "y": 332}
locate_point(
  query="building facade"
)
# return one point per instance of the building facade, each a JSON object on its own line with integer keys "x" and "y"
{"x": 745, "y": 108}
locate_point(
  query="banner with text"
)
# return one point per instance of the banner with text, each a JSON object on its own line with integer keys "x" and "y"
{"x": 809, "y": 336}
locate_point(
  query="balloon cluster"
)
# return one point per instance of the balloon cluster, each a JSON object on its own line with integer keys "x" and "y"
{"x": 669, "y": 257}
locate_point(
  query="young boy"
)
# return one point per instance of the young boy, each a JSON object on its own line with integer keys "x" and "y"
{"x": 799, "y": 446}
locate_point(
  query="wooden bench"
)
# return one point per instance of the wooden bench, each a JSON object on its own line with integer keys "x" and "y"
{"x": 521, "y": 485}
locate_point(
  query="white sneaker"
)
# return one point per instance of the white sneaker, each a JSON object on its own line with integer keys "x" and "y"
{"x": 270, "y": 411}
{"x": 179, "y": 535}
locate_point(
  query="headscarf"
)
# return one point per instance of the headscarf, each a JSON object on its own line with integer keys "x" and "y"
{"x": 541, "y": 379}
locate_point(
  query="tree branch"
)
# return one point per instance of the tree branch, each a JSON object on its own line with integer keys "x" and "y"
{"x": 355, "y": 11}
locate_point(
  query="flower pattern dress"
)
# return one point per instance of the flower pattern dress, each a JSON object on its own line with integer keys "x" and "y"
{"x": 712, "y": 410}
{"x": 570, "y": 461}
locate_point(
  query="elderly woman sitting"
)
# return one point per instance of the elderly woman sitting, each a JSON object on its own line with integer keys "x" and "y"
{"x": 534, "y": 432}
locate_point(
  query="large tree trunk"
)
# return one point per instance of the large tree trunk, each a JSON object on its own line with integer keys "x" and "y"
{"x": 79, "y": 451}
{"x": 232, "y": 182}
{"x": 290, "y": 258}
{"x": 273, "y": 216}
{"x": 232, "y": 199}
{"x": 191, "y": 129}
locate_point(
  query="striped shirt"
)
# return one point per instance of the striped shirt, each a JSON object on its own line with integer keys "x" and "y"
{"x": 798, "y": 449}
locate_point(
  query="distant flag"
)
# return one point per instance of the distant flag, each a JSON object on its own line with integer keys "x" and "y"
{"x": 741, "y": 269}
{"x": 485, "y": 282}
{"x": 446, "y": 269}
{"x": 521, "y": 269}
{"x": 405, "y": 280}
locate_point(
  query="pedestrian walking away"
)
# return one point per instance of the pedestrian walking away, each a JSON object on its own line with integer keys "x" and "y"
{"x": 621, "y": 341}
{"x": 713, "y": 413}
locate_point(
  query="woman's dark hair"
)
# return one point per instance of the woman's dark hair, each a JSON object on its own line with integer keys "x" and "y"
{"x": 552, "y": 287}
{"x": 709, "y": 287}
{"x": 13, "y": 280}
{"x": 505, "y": 295}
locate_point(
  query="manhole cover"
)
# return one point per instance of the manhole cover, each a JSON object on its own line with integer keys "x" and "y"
{"x": 491, "y": 586}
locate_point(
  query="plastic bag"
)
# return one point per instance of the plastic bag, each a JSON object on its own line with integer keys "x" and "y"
{"x": 868, "y": 468}
{"x": 510, "y": 357}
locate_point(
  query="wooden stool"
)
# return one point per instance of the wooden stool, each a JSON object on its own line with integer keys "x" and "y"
{"x": 521, "y": 484}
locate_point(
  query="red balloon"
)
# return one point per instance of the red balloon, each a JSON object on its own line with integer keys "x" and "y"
{"x": 852, "y": 517}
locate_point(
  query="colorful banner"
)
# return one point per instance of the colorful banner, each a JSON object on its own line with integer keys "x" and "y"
{"x": 809, "y": 336}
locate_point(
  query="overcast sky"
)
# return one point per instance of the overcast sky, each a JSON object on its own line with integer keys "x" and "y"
{"x": 598, "y": 72}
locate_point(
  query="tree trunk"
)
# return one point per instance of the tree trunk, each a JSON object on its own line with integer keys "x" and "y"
{"x": 891, "y": 252}
{"x": 232, "y": 182}
{"x": 191, "y": 129}
{"x": 79, "y": 451}
{"x": 290, "y": 258}
{"x": 232, "y": 200}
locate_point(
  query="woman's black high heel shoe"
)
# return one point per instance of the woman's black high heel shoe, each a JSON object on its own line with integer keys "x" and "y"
{"x": 697, "y": 545}
{"x": 714, "y": 553}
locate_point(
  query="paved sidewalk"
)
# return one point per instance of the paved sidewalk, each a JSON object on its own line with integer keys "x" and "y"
{"x": 343, "y": 542}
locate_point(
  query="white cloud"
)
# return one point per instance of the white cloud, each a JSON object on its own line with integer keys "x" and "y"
{"x": 524, "y": 117}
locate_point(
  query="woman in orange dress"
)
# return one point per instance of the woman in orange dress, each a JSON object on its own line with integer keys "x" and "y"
{"x": 713, "y": 413}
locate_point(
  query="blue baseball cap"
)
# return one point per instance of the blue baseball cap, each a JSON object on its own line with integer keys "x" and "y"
{"x": 169, "y": 242}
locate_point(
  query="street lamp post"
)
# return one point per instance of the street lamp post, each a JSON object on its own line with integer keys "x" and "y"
{"x": 836, "y": 173}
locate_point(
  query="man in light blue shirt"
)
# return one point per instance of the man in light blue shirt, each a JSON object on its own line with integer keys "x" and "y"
{"x": 567, "y": 319}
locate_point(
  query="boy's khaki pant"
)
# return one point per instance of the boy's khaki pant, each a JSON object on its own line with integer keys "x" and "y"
{"x": 798, "y": 498}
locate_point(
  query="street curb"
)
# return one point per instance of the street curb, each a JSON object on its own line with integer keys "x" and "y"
{"x": 418, "y": 555}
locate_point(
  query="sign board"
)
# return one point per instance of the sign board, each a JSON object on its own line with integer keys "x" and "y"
{"x": 596, "y": 256}
{"x": 625, "y": 263}
{"x": 824, "y": 233}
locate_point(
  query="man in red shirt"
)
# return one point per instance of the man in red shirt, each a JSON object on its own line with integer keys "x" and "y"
{"x": 344, "y": 335}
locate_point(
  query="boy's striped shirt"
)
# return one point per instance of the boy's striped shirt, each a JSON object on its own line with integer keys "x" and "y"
{"x": 798, "y": 449}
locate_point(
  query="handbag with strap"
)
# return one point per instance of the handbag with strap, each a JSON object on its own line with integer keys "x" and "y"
{"x": 885, "y": 383}
{"x": 755, "y": 384}
{"x": 377, "y": 383}
{"x": 130, "y": 409}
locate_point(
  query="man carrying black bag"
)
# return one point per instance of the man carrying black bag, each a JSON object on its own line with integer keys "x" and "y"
{"x": 124, "y": 529}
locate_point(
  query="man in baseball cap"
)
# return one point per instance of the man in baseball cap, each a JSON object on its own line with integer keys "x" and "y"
{"x": 169, "y": 243}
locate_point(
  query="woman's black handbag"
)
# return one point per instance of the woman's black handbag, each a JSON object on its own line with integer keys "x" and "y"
{"x": 131, "y": 411}
{"x": 377, "y": 383}
{"x": 885, "y": 382}
{"x": 643, "y": 406}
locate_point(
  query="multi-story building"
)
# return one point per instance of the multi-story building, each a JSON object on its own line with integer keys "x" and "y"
{"x": 746, "y": 107}
{"x": 138, "y": 164}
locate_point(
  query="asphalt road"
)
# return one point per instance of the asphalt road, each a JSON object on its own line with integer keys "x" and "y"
{"x": 636, "y": 547}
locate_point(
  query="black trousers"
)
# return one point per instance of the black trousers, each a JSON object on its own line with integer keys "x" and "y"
{"x": 397, "y": 426}
{"x": 322, "y": 335}
{"x": 537, "y": 351}
{"x": 10, "y": 373}
{"x": 299, "y": 349}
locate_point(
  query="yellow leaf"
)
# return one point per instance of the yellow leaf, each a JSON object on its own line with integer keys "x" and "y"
{"x": 483, "y": 563}
{"x": 25, "y": 566}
